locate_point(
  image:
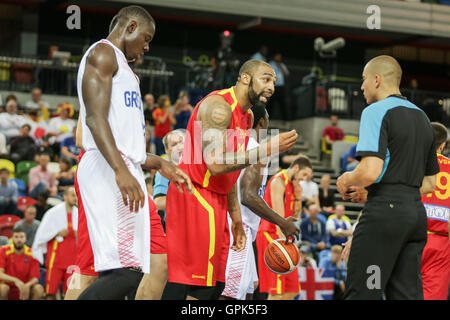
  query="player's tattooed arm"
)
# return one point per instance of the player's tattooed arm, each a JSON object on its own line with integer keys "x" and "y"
{"x": 250, "y": 183}
{"x": 234, "y": 209}
{"x": 215, "y": 116}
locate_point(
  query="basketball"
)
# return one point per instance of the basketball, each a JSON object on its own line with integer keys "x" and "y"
{"x": 281, "y": 257}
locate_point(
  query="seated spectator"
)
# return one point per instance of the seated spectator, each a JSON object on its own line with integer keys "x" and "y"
{"x": 149, "y": 186}
{"x": 10, "y": 121}
{"x": 42, "y": 206}
{"x": 23, "y": 146}
{"x": 3, "y": 151}
{"x": 310, "y": 190}
{"x": 314, "y": 231}
{"x": 19, "y": 271}
{"x": 307, "y": 209}
{"x": 69, "y": 148}
{"x": 149, "y": 107}
{"x": 9, "y": 193}
{"x": 335, "y": 267}
{"x": 339, "y": 227}
{"x": 333, "y": 133}
{"x": 37, "y": 105}
{"x": 42, "y": 180}
{"x": 349, "y": 161}
{"x": 29, "y": 224}
{"x": 164, "y": 119}
{"x": 182, "y": 111}
{"x": 326, "y": 195}
{"x": 306, "y": 261}
{"x": 60, "y": 127}
{"x": 65, "y": 176}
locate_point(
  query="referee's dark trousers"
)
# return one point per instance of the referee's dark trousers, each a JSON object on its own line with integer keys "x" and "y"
{"x": 386, "y": 250}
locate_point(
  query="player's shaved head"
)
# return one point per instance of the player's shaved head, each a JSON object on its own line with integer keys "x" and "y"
{"x": 131, "y": 12}
{"x": 249, "y": 67}
{"x": 387, "y": 67}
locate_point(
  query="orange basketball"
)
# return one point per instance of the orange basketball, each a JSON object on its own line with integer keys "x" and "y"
{"x": 281, "y": 257}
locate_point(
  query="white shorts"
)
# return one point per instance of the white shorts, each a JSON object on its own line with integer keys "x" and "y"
{"x": 119, "y": 238}
{"x": 241, "y": 270}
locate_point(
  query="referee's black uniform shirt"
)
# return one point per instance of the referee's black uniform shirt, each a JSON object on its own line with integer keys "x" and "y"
{"x": 388, "y": 241}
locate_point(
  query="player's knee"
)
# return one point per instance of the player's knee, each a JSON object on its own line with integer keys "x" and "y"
{"x": 37, "y": 292}
{"x": 4, "y": 291}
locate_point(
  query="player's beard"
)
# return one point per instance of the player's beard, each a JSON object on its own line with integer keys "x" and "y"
{"x": 17, "y": 247}
{"x": 254, "y": 97}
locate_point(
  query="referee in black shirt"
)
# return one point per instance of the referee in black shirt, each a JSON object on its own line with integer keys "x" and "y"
{"x": 397, "y": 163}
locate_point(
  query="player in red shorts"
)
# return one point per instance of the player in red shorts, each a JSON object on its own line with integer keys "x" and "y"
{"x": 436, "y": 254}
{"x": 196, "y": 225}
{"x": 283, "y": 194}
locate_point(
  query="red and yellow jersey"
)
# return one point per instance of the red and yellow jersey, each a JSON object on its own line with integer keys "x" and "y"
{"x": 192, "y": 161}
{"x": 24, "y": 267}
{"x": 289, "y": 201}
{"x": 437, "y": 203}
{"x": 62, "y": 254}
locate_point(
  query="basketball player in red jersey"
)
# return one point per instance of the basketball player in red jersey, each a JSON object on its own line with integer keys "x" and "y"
{"x": 436, "y": 254}
{"x": 284, "y": 195}
{"x": 196, "y": 225}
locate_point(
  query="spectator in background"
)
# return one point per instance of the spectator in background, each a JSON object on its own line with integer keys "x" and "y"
{"x": 279, "y": 98}
{"x": 29, "y": 224}
{"x": 42, "y": 206}
{"x": 66, "y": 176}
{"x": 42, "y": 180}
{"x": 10, "y": 121}
{"x": 37, "y": 104}
{"x": 335, "y": 267}
{"x": 310, "y": 191}
{"x": 306, "y": 261}
{"x": 261, "y": 54}
{"x": 326, "y": 195}
{"x": 182, "y": 111}
{"x": 149, "y": 107}
{"x": 69, "y": 148}
{"x": 333, "y": 133}
{"x": 60, "y": 127}
{"x": 173, "y": 145}
{"x": 149, "y": 186}
{"x": 8, "y": 193}
{"x": 314, "y": 230}
{"x": 349, "y": 161}
{"x": 23, "y": 146}
{"x": 19, "y": 271}
{"x": 339, "y": 226}
{"x": 164, "y": 120}
{"x": 56, "y": 235}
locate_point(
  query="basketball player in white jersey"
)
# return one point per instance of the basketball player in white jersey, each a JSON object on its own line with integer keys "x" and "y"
{"x": 110, "y": 176}
{"x": 241, "y": 273}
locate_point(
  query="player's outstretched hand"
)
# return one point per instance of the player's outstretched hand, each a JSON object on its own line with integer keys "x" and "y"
{"x": 239, "y": 237}
{"x": 130, "y": 189}
{"x": 176, "y": 175}
{"x": 285, "y": 141}
{"x": 290, "y": 230}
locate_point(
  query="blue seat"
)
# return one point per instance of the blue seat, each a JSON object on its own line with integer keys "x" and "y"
{"x": 21, "y": 186}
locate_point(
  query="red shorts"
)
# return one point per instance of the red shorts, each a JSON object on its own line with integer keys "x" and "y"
{"x": 158, "y": 240}
{"x": 53, "y": 280}
{"x": 436, "y": 267}
{"x": 197, "y": 235}
{"x": 269, "y": 281}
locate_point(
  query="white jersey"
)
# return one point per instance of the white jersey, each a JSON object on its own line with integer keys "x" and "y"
{"x": 126, "y": 114}
{"x": 248, "y": 217}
